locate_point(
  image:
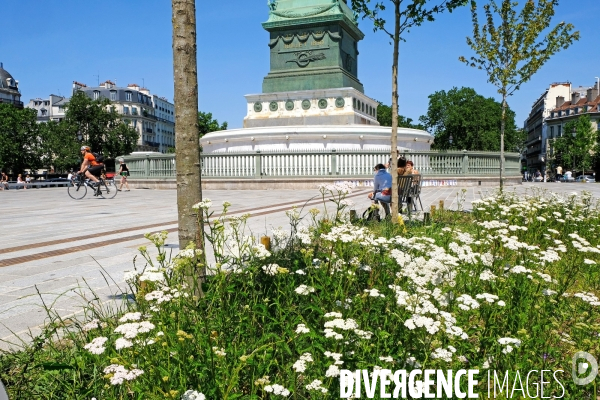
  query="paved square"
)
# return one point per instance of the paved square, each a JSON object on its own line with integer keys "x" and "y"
{"x": 59, "y": 250}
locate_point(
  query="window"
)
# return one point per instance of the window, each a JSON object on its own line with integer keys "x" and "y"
{"x": 96, "y": 95}
{"x": 551, "y": 132}
{"x": 125, "y": 110}
{"x": 113, "y": 95}
{"x": 559, "y": 130}
{"x": 127, "y": 96}
{"x": 134, "y": 110}
{"x": 44, "y": 112}
{"x": 552, "y": 114}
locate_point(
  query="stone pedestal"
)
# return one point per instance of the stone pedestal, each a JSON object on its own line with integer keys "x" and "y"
{"x": 344, "y": 106}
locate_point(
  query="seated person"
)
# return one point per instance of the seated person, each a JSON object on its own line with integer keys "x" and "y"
{"x": 382, "y": 187}
{"x": 401, "y": 166}
{"x": 4, "y": 182}
{"x": 410, "y": 169}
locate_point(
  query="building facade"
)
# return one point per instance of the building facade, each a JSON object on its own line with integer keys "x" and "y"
{"x": 165, "y": 123}
{"x": 536, "y": 125}
{"x": 9, "y": 89}
{"x": 583, "y": 100}
{"x": 50, "y": 109}
{"x": 138, "y": 109}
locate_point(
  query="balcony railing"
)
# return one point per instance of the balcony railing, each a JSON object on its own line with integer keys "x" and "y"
{"x": 16, "y": 103}
{"x": 343, "y": 165}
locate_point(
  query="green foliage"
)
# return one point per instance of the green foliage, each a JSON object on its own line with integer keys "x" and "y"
{"x": 20, "y": 145}
{"x": 510, "y": 52}
{"x": 413, "y": 13}
{"x": 472, "y": 120}
{"x": 576, "y": 147}
{"x": 60, "y": 147}
{"x": 384, "y": 117}
{"x": 100, "y": 125}
{"x": 446, "y": 295}
{"x": 207, "y": 124}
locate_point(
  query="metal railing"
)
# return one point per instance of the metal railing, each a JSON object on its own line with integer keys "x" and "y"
{"x": 325, "y": 164}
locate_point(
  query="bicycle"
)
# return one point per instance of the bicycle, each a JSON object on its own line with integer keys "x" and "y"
{"x": 105, "y": 188}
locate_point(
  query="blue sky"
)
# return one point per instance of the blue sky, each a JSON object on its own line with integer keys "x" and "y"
{"x": 46, "y": 45}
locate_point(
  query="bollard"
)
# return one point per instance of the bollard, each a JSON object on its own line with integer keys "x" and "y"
{"x": 266, "y": 241}
{"x": 352, "y": 215}
{"x": 441, "y": 205}
{"x": 432, "y": 210}
{"x": 426, "y": 218}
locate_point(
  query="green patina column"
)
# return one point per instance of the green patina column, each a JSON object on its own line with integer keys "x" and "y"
{"x": 313, "y": 46}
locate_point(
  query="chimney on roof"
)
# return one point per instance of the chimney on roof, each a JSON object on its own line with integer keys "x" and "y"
{"x": 592, "y": 93}
{"x": 2, "y": 65}
{"x": 575, "y": 97}
{"x": 560, "y": 100}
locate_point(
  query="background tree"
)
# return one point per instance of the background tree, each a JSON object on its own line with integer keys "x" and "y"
{"x": 207, "y": 124}
{"x": 576, "y": 147}
{"x": 407, "y": 14}
{"x": 20, "y": 144}
{"x": 60, "y": 148}
{"x": 510, "y": 53}
{"x": 187, "y": 155}
{"x": 384, "y": 117}
{"x": 100, "y": 126}
{"x": 472, "y": 120}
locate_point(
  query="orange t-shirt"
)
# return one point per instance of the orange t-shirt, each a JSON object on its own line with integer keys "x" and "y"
{"x": 91, "y": 159}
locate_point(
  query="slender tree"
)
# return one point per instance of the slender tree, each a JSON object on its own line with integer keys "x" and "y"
{"x": 512, "y": 51}
{"x": 407, "y": 14}
{"x": 187, "y": 144}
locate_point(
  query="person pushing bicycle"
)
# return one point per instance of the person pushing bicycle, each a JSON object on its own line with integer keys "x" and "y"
{"x": 90, "y": 167}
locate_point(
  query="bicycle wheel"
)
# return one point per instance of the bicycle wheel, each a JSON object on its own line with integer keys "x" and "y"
{"x": 108, "y": 188}
{"x": 77, "y": 190}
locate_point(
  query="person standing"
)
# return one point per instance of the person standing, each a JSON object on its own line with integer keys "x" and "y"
{"x": 558, "y": 173}
{"x": 124, "y": 172}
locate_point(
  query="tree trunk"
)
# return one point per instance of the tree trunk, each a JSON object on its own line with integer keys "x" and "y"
{"x": 502, "y": 124}
{"x": 187, "y": 154}
{"x": 394, "y": 140}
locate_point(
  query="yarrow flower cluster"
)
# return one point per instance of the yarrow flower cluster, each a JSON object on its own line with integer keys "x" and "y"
{"x": 204, "y": 204}
{"x": 316, "y": 385}
{"x": 193, "y": 395}
{"x": 301, "y": 328}
{"x": 304, "y": 290}
{"x": 96, "y": 346}
{"x": 300, "y": 365}
{"x": 277, "y": 390}
{"x": 508, "y": 344}
{"x": 132, "y": 329}
{"x": 118, "y": 374}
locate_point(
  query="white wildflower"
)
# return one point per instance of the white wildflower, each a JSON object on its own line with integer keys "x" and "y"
{"x": 96, "y": 346}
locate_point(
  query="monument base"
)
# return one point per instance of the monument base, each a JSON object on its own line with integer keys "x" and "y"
{"x": 344, "y": 106}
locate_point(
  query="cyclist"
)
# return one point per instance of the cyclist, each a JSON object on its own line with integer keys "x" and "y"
{"x": 90, "y": 167}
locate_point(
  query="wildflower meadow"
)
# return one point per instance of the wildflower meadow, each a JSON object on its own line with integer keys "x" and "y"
{"x": 511, "y": 286}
